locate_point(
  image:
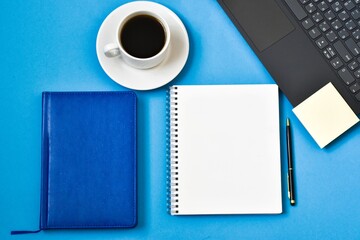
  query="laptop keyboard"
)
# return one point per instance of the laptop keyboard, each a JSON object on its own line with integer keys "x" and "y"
{"x": 333, "y": 25}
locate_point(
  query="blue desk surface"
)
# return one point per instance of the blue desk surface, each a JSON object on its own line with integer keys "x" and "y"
{"x": 50, "y": 46}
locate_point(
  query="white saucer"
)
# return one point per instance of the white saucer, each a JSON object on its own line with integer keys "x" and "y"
{"x": 147, "y": 79}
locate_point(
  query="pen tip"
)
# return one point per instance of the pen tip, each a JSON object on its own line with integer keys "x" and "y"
{"x": 292, "y": 202}
{"x": 287, "y": 122}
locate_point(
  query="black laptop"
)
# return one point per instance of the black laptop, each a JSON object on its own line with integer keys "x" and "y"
{"x": 304, "y": 44}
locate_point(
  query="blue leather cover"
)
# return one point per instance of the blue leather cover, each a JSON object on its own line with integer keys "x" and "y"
{"x": 88, "y": 160}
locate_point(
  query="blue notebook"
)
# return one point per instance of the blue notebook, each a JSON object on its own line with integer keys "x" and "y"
{"x": 88, "y": 160}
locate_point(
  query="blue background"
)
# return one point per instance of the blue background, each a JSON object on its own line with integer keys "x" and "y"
{"x": 49, "y": 45}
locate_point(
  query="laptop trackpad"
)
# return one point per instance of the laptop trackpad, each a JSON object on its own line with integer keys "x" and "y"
{"x": 263, "y": 21}
{"x": 325, "y": 115}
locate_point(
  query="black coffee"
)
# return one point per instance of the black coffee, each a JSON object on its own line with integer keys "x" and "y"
{"x": 142, "y": 36}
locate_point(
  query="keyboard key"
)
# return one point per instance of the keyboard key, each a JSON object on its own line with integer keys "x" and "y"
{"x": 329, "y": 15}
{"x": 336, "y": 63}
{"x": 358, "y": 96}
{"x": 357, "y": 73}
{"x": 331, "y": 51}
{"x": 352, "y": 46}
{"x": 314, "y": 33}
{"x": 356, "y": 34}
{"x": 354, "y": 88}
{"x": 310, "y": 8}
{"x": 304, "y": 1}
{"x": 344, "y": 54}
{"x": 336, "y": 6}
{"x": 349, "y": 5}
{"x": 343, "y": 15}
{"x": 317, "y": 17}
{"x": 353, "y": 65}
{"x": 326, "y": 54}
{"x": 321, "y": 42}
{"x": 355, "y": 14}
{"x": 324, "y": 26}
{"x": 350, "y": 25}
{"x": 296, "y": 9}
{"x": 343, "y": 33}
{"x": 331, "y": 36}
{"x": 322, "y": 6}
{"x": 307, "y": 23}
{"x": 336, "y": 24}
{"x": 346, "y": 76}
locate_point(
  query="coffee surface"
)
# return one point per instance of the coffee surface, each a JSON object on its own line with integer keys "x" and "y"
{"x": 142, "y": 36}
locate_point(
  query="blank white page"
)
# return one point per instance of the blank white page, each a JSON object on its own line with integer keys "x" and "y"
{"x": 228, "y": 149}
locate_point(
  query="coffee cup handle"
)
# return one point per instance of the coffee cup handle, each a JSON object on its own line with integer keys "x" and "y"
{"x": 111, "y": 50}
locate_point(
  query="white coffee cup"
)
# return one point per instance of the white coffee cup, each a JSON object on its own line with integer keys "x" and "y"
{"x": 117, "y": 49}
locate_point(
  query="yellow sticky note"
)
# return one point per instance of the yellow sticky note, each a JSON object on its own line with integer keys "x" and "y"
{"x": 325, "y": 115}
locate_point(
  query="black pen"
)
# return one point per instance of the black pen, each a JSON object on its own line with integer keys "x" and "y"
{"x": 290, "y": 177}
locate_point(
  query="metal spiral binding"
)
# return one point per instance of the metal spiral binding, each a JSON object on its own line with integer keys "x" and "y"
{"x": 173, "y": 179}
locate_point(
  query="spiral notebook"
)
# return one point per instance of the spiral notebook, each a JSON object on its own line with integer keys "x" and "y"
{"x": 224, "y": 151}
